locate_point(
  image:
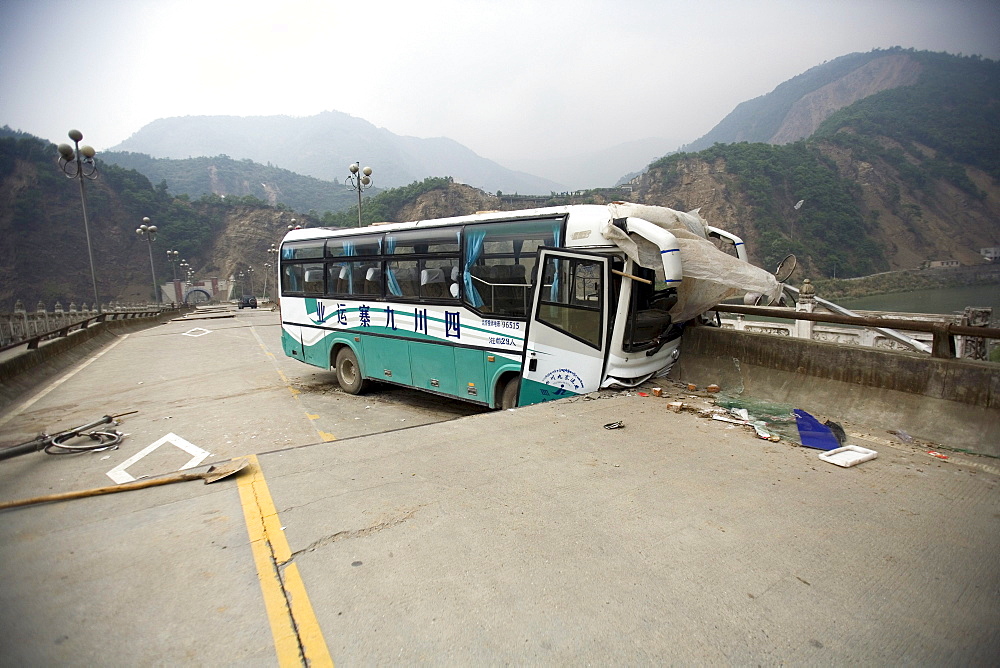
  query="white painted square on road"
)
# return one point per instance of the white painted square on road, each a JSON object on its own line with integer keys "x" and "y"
{"x": 120, "y": 475}
{"x": 197, "y": 331}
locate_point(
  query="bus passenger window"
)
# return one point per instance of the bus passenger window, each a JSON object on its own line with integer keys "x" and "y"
{"x": 355, "y": 279}
{"x": 291, "y": 278}
{"x": 423, "y": 263}
{"x": 402, "y": 279}
{"x": 433, "y": 284}
{"x": 312, "y": 279}
{"x": 500, "y": 258}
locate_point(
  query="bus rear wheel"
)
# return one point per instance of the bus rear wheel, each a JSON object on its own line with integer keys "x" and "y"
{"x": 508, "y": 399}
{"x": 349, "y": 372}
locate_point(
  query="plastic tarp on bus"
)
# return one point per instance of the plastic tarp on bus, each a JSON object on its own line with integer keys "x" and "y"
{"x": 710, "y": 276}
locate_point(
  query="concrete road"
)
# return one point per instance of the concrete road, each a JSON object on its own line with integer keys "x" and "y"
{"x": 438, "y": 533}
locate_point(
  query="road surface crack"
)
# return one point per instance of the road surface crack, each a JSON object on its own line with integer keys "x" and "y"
{"x": 354, "y": 533}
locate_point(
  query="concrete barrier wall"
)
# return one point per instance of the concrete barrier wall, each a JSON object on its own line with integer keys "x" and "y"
{"x": 951, "y": 402}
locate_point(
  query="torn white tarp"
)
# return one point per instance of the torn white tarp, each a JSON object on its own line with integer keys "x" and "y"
{"x": 710, "y": 275}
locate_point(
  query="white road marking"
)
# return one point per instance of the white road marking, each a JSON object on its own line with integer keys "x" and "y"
{"x": 197, "y": 331}
{"x": 120, "y": 475}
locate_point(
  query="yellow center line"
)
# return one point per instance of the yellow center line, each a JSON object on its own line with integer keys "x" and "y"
{"x": 325, "y": 436}
{"x": 298, "y": 639}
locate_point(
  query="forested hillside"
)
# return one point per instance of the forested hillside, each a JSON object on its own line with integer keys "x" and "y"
{"x": 223, "y": 176}
{"x": 760, "y": 119}
{"x": 902, "y": 177}
{"x": 43, "y": 248}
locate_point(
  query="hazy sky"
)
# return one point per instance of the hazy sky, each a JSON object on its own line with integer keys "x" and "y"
{"x": 508, "y": 78}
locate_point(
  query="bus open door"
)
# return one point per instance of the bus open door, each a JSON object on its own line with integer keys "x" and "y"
{"x": 568, "y": 329}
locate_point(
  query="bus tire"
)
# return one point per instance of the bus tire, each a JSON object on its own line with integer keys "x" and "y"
{"x": 508, "y": 398}
{"x": 349, "y": 371}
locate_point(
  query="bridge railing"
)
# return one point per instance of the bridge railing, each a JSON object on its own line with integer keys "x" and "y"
{"x": 30, "y": 328}
{"x": 944, "y": 333}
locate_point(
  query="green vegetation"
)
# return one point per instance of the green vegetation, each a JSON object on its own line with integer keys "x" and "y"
{"x": 954, "y": 109}
{"x": 385, "y": 206}
{"x": 43, "y": 199}
{"x": 197, "y": 177}
{"x": 829, "y": 226}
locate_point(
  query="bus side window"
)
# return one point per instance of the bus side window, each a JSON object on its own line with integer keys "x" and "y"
{"x": 312, "y": 279}
{"x": 499, "y": 261}
{"x": 291, "y": 278}
{"x": 421, "y": 264}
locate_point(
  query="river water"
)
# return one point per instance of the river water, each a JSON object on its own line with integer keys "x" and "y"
{"x": 937, "y": 300}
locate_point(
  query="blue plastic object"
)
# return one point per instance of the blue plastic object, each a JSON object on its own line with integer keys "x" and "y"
{"x": 813, "y": 433}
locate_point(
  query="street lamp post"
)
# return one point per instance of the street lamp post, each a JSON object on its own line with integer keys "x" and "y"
{"x": 77, "y": 162}
{"x": 360, "y": 180}
{"x": 148, "y": 232}
{"x": 250, "y": 278}
{"x": 172, "y": 259}
{"x": 267, "y": 270}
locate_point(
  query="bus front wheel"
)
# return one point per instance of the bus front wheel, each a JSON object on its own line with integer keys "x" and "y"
{"x": 349, "y": 372}
{"x": 508, "y": 399}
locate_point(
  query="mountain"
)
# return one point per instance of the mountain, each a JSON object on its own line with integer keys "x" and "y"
{"x": 797, "y": 107}
{"x": 225, "y": 177}
{"x": 323, "y": 146}
{"x": 902, "y": 176}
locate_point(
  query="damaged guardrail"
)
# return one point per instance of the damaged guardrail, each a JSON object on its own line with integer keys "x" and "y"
{"x": 943, "y": 345}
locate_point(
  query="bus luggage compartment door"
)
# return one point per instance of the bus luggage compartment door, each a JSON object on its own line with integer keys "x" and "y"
{"x": 567, "y": 338}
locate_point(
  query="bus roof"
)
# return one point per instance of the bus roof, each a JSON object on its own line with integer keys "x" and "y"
{"x": 581, "y": 216}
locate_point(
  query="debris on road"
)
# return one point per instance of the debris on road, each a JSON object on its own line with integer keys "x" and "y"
{"x": 903, "y": 436}
{"x": 848, "y": 456}
{"x": 813, "y": 433}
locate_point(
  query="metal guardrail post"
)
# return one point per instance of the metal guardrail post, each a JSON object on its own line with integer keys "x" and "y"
{"x": 944, "y": 343}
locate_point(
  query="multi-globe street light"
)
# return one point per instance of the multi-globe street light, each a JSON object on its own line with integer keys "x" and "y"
{"x": 172, "y": 259}
{"x": 77, "y": 162}
{"x": 148, "y": 232}
{"x": 360, "y": 180}
{"x": 267, "y": 270}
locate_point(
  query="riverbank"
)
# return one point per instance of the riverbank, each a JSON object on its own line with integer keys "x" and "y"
{"x": 836, "y": 289}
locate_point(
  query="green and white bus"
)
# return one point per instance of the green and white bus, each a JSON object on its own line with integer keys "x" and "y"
{"x": 502, "y": 309}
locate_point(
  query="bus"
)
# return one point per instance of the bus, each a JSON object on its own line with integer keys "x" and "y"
{"x": 504, "y": 309}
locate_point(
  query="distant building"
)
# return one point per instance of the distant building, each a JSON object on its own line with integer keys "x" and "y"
{"x": 990, "y": 254}
{"x": 943, "y": 263}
